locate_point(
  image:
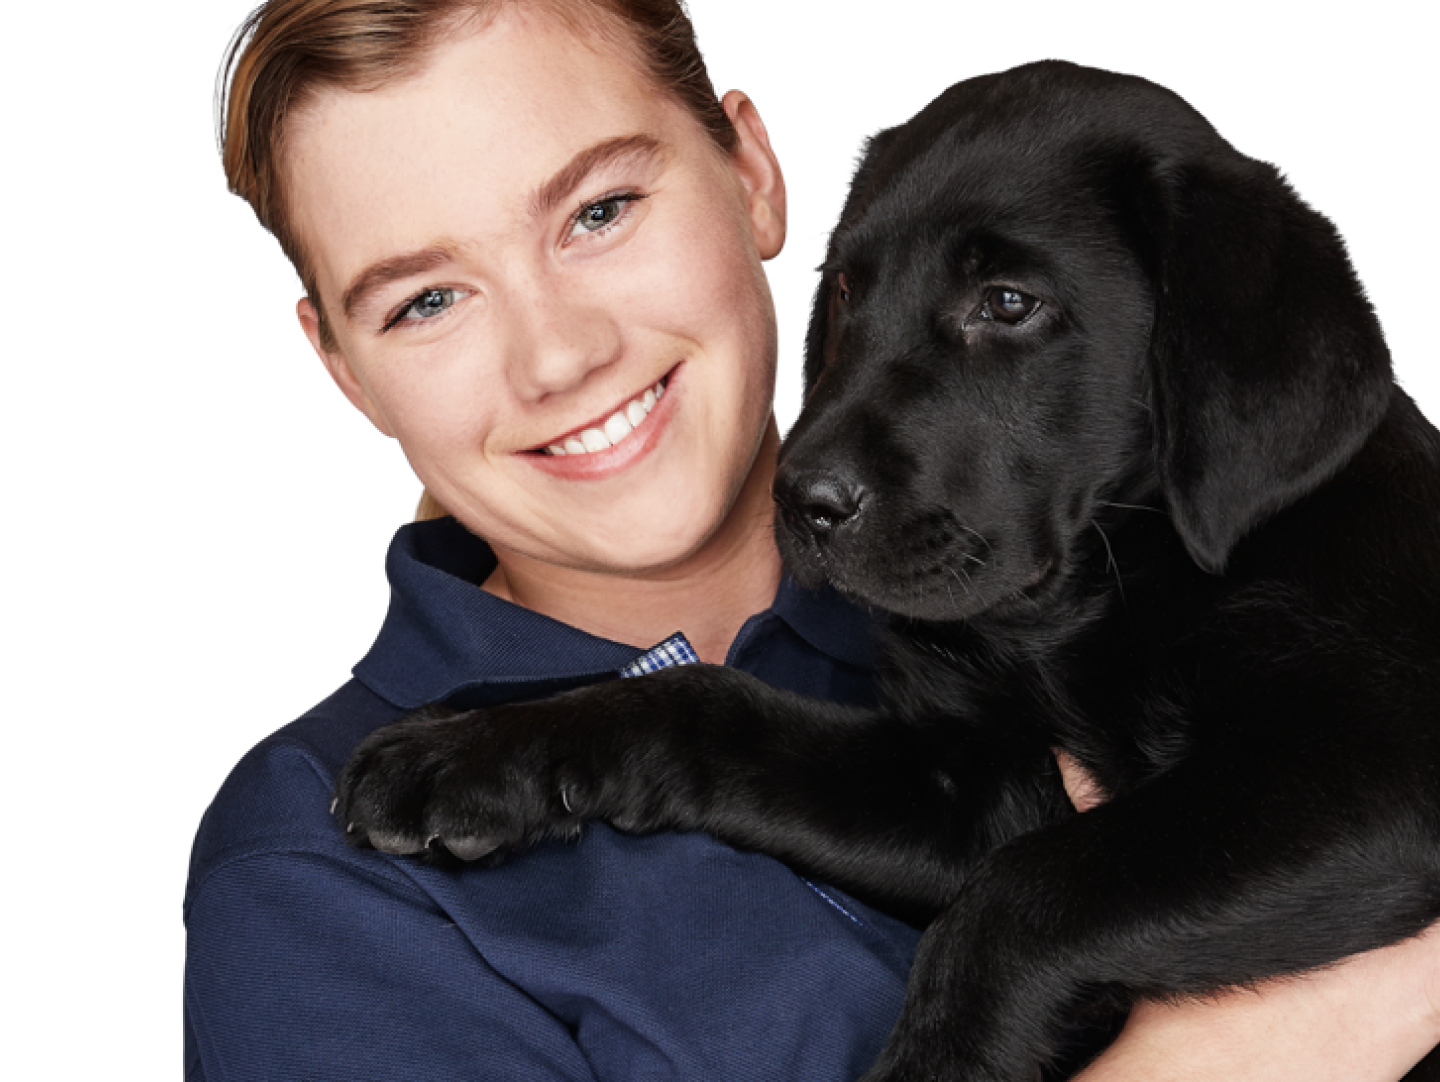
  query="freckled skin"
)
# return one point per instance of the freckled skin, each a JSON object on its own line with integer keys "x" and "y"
{"x": 541, "y": 326}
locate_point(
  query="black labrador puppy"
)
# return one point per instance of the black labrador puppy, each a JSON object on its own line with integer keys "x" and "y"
{"x": 1100, "y": 413}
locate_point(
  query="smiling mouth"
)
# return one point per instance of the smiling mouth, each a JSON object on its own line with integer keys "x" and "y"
{"x": 615, "y": 429}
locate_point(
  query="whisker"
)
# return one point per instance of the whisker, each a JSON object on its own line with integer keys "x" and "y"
{"x": 974, "y": 533}
{"x": 967, "y": 585}
{"x": 1110, "y": 561}
{"x": 1131, "y": 506}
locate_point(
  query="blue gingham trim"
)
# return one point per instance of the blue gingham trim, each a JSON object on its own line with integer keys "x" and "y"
{"x": 676, "y": 650}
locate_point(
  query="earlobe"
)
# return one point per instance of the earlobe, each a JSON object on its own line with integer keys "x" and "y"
{"x": 338, "y": 367}
{"x": 759, "y": 171}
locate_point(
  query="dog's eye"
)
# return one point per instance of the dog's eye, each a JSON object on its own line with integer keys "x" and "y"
{"x": 1005, "y": 305}
{"x": 843, "y": 286}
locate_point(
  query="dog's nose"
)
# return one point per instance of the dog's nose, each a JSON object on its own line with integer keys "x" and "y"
{"x": 824, "y": 501}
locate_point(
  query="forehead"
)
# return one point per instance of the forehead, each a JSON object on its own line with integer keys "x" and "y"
{"x": 492, "y": 114}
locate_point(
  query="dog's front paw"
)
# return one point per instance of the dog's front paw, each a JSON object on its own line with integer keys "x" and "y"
{"x": 476, "y": 784}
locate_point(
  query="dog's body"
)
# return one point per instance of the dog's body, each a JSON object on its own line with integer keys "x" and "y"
{"x": 1099, "y": 412}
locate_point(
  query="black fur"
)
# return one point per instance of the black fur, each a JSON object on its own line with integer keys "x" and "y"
{"x": 1177, "y": 520}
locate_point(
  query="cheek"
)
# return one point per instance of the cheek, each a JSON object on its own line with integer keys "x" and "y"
{"x": 439, "y": 401}
{"x": 745, "y": 374}
{"x": 704, "y": 279}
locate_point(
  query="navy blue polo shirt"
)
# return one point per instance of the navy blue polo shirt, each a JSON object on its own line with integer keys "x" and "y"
{"x": 612, "y": 958}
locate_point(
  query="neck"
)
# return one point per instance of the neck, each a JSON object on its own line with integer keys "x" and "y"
{"x": 708, "y": 595}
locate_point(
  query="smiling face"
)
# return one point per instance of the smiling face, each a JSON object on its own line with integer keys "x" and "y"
{"x": 544, "y": 280}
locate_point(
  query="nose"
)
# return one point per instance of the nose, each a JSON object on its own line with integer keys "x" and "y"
{"x": 557, "y": 338}
{"x": 821, "y": 500}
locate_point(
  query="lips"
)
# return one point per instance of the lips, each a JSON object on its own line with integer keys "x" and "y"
{"x": 614, "y": 430}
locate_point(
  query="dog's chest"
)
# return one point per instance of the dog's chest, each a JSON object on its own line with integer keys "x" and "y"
{"x": 1117, "y": 690}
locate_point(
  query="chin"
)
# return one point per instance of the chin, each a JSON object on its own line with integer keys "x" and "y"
{"x": 672, "y": 548}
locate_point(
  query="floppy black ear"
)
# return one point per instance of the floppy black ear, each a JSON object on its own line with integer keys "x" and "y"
{"x": 1268, "y": 369}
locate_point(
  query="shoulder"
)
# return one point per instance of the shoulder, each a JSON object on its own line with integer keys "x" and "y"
{"x": 277, "y": 799}
{"x": 309, "y": 958}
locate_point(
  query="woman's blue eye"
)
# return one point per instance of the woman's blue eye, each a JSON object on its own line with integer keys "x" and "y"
{"x": 430, "y": 303}
{"x": 426, "y": 305}
{"x": 597, "y": 215}
{"x": 594, "y": 217}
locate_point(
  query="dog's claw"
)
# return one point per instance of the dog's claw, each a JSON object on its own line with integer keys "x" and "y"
{"x": 395, "y": 844}
{"x": 468, "y": 849}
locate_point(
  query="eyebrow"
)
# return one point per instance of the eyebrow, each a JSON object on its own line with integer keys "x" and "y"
{"x": 543, "y": 200}
{"x": 549, "y": 195}
{"x": 393, "y": 269}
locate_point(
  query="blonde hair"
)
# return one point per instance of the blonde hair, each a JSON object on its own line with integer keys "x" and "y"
{"x": 429, "y": 507}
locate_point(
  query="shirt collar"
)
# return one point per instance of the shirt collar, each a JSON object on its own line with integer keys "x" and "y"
{"x": 827, "y": 622}
{"x": 443, "y": 633}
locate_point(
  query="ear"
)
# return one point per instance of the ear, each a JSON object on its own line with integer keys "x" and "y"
{"x": 759, "y": 171}
{"x": 338, "y": 367}
{"x": 1268, "y": 369}
{"x": 820, "y": 345}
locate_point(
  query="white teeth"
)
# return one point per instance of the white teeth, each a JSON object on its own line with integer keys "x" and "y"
{"x": 617, "y": 428}
{"x": 619, "y": 425}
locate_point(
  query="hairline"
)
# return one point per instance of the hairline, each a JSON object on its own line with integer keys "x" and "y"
{"x": 472, "y": 18}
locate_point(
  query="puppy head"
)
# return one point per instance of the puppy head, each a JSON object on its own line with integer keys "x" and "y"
{"x": 1055, "y": 288}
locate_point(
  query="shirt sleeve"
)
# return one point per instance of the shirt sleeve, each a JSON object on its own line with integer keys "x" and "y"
{"x": 319, "y": 965}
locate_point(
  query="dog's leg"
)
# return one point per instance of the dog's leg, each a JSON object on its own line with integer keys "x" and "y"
{"x": 1203, "y": 879}
{"x": 888, "y": 810}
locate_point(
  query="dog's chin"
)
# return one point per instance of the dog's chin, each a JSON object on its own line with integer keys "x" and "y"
{"x": 933, "y": 590}
{"x": 1028, "y": 595}
{"x": 987, "y": 595}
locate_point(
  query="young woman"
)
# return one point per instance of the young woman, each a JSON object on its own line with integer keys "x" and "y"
{"x": 531, "y": 242}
